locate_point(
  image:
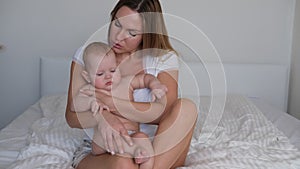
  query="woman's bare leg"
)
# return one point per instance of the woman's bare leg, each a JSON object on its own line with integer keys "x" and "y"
{"x": 107, "y": 161}
{"x": 177, "y": 125}
{"x": 182, "y": 157}
{"x": 174, "y": 134}
{"x": 96, "y": 149}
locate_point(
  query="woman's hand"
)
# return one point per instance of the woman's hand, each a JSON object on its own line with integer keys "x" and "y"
{"x": 113, "y": 132}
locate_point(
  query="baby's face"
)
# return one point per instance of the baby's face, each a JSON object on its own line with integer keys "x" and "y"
{"x": 107, "y": 73}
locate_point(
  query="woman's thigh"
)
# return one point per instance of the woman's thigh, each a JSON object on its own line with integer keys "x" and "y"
{"x": 106, "y": 161}
{"x": 174, "y": 134}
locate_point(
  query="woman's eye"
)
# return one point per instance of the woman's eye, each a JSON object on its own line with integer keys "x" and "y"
{"x": 99, "y": 74}
{"x": 133, "y": 34}
{"x": 117, "y": 23}
{"x": 113, "y": 70}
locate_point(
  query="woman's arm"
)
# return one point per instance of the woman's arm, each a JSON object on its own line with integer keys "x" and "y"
{"x": 149, "y": 111}
{"x": 76, "y": 82}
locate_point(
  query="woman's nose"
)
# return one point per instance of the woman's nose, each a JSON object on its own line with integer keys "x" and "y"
{"x": 121, "y": 35}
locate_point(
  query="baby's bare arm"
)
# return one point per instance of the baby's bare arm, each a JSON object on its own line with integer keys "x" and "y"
{"x": 144, "y": 81}
{"x": 158, "y": 90}
{"x": 83, "y": 102}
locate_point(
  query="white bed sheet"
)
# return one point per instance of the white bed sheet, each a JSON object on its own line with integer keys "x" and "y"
{"x": 286, "y": 123}
{"x": 14, "y": 138}
{"x": 244, "y": 138}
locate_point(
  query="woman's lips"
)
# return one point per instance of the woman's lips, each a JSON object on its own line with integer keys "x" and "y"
{"x": 117, "y": 45}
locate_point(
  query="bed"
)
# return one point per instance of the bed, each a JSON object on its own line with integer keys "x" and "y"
{"x": 252, "y": 131}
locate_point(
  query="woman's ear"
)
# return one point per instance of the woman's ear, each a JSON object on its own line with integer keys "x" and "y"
{"x": 86, "y": 76}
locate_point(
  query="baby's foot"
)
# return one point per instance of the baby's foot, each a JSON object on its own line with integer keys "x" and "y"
{"x": 140, "y": 155}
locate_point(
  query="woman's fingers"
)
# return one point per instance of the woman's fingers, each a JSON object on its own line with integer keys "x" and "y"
{"x": 118, "y": 141}
{"x": 126, "y": 136}
{"x": 104, "y": 134}
{"x": 113, "y": 132}
{"x": 110, "y": 143}
{"x": 114, "y": 141}
{"x": 95, "y": 109}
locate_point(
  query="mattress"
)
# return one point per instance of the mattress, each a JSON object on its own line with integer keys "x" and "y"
{"x": 251, "y": 134}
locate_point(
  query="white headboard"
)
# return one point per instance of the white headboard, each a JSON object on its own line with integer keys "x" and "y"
{"x": 265, "y": 81}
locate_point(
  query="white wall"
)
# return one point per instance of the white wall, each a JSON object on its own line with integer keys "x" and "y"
{"x": 294, "y": 97}
{"x": 243, "y": 31}
{"x": 32, "y": 28}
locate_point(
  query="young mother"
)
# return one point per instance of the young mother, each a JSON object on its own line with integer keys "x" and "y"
{"x": 141, "y": 44}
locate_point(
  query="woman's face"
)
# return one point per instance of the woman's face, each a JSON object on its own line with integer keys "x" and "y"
{"x": 126, "y": 31}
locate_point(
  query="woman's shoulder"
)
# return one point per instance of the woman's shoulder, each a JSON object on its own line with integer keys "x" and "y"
{"x": 170, "y": 55}
{"x": 169, "y": 60}
{"x": 78, "y": 56}
{"x": 166, "y": 56}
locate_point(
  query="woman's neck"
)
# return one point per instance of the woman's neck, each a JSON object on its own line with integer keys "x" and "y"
{"x": 128, "y": 56}
{"x": 121, "y": 57}
{"x": 130, "y": 64}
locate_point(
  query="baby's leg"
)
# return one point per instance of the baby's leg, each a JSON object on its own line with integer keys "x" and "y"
{"x": 142, "y": 151}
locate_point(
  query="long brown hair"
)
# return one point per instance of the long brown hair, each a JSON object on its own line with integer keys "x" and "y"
{"x": 154, "y": 30}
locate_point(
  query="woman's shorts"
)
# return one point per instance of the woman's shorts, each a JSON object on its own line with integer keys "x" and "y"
{"x": 81, "y": 152}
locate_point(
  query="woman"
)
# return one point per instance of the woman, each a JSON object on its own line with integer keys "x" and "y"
{"x": 140, "y": 42}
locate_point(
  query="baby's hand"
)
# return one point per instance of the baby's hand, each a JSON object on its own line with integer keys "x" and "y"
{"x": 158, "y": 91}
{"x": 98, "y": 107}
{"x": 94, "y": 107}
{"x": 87, "y": 90}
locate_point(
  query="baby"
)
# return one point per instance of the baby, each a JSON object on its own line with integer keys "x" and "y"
{"x": 101, "y": 72}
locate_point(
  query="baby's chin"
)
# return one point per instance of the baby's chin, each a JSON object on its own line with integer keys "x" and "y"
{"x": 111, "y": 87}
{"x": 108, "y": 88}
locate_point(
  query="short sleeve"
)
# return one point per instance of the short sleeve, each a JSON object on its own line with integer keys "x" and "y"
{"x": 77, "y": 57}
{"x": 154, "y": 65}
{"x": 168, "y": 62}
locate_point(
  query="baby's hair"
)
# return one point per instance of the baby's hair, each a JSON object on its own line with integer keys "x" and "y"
{"x": 95, "y": 48}
{"x": 99, "y": 49}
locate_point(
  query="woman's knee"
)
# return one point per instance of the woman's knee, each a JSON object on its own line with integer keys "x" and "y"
{"x": 185, "y": 108}
{"x": 182, "y": 109}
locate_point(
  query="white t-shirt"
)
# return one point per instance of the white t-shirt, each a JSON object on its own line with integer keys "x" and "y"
{"x": 151, "y": 65}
